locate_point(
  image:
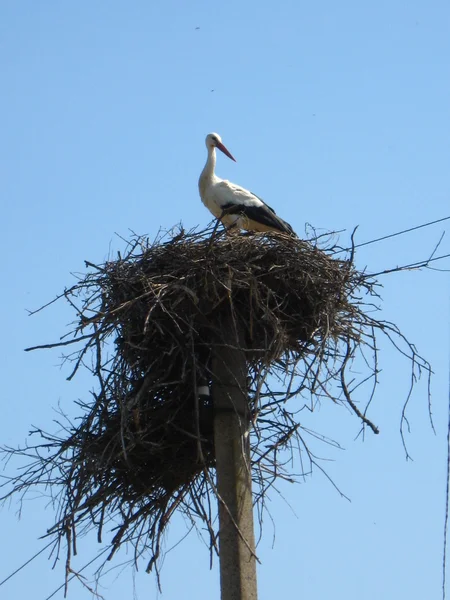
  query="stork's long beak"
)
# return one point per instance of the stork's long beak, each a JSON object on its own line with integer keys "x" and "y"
{"x": 225, "y": 151}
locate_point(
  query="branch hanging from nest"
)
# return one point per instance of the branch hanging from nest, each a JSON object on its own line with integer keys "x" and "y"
{"x": 151, "y": 319}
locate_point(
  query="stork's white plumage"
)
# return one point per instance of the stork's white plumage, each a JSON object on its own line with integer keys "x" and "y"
{"x": 233, "y": 205}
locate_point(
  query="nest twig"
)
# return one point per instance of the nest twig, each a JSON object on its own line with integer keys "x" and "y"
{"x": 150, "y": 321}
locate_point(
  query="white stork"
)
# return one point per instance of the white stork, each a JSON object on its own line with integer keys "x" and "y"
{"x": 233, "y": 205}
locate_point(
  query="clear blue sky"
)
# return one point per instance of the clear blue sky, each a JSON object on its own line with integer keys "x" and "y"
{"x": 339, "y": 115}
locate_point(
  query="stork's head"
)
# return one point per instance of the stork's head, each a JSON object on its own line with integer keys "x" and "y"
{"x": 213, "y": 140}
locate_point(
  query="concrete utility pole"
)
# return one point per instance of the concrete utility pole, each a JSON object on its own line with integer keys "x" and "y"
{"x": 234, "y": 483}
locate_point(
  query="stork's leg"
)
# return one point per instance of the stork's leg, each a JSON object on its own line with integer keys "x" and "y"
{"x": 231, "y": 229}
{"x": 214, "y": 231}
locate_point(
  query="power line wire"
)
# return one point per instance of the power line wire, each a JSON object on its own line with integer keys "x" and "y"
{"x": 75, "y": 574}
{"x": 395, "y": 234}
{"x": 391, "y": 235}
{"x": 447, "y": 489}
{"x": 418, "y": 264}
{"x": 25, "y": 564}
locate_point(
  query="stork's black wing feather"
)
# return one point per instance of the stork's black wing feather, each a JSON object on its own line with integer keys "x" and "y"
{"x": 288, "y": 227}
{"x": 261, "y": 214}
{"x": 265, "y": 203}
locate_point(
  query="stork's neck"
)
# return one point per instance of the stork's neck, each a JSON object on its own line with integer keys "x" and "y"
{"x": 208, "y": 170}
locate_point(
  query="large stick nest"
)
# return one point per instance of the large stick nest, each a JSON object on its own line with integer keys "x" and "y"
{"x": 152, "y": 318}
